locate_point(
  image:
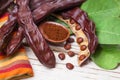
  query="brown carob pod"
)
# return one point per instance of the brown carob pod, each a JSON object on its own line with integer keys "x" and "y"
{"x": 4, "y": 4}
{"x": 39, "y": 14}
{"x": 56, "y": 5}
{"x": 8, "y": 27}
{"x": 33, "y": 36}
{"x": 17, "y": 37}
{"x": 36, "y": 3}
{"x": 84, "y": 29}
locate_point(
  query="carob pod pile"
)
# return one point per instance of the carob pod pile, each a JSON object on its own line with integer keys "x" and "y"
{"x": 16, "y": 39}
{"x": 38, "y": 14}
{"x": 84, "y": 29}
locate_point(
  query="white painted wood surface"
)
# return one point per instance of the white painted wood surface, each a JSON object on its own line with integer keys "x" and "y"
{"x": 60, "y": 72}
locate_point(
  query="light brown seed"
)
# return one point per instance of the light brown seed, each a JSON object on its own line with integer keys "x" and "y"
{"x": 71, "y": 53}
{"x": 79, "y": 40}
{"x": 77, "y": 27}
{"x": 82, "y": 57}
{"x": 72, "y": 21}
{"x": 67, "y": 46}
{"x": 69, "y": 66}
{"x": 61, "y": 56}
{"x": 83, "y": 47}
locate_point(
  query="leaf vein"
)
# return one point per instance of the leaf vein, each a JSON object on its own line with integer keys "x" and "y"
{"x": 102, "y": 11}
{"x": 108, "y": 32}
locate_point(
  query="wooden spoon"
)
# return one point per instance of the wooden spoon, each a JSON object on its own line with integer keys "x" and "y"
{"x": 54, "y": 32}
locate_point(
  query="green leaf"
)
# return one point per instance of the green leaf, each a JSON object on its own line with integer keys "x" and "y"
{"x": 107, "y": 56}
{"x": 55, "y": 19}
{"x": 106, "y": 15}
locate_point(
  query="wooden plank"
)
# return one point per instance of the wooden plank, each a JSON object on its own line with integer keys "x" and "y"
{"x": 60, "y": 72}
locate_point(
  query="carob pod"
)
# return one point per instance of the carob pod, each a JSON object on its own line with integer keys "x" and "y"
{"x": 36, "y": 3}
{"x": 55, "y": 5}
{"x": 17, "y": 37}
{"x": 4, "y": 4}
{"x": 8, "y": 27}
{"x": 33, "y": 35}
{"x": 84, "y": 29}
{"x": 42, "y": 11}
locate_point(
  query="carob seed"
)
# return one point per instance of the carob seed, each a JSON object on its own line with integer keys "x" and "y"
{"x": 69, "y": 66}
{"x": 82, "y": 57}
{"x": 79, "y": 40}
{"x": 67, "y": 46}
{"x": 72, "y": 21}
{"x": 61, "y": 56}
{"x": 71, "y": 53}
{"x": 83, "y": 47}
{"x": 70, "y": 40}
{"x": 77, "y": 27}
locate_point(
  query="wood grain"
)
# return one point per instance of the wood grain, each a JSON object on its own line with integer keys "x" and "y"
{"x": 87, "y": 72}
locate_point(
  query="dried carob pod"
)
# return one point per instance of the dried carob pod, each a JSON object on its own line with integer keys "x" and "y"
{"x": 4, "y": 4}
{"x": 84, "y": 29}
{"x": 8, "y": 27}
{"x": 17, "y": 37}
{"x": 42, "y": 11}
{"x": 33, "y": 36}
{"x": 36, "y": 3}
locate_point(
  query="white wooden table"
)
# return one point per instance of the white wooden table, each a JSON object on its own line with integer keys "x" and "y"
{"x": 60, "y": 72}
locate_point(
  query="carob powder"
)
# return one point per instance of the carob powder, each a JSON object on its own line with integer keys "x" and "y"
{"x": 54, "y": 31}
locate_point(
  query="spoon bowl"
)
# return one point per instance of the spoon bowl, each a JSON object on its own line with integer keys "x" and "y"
{"x": 54, "y": 32}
